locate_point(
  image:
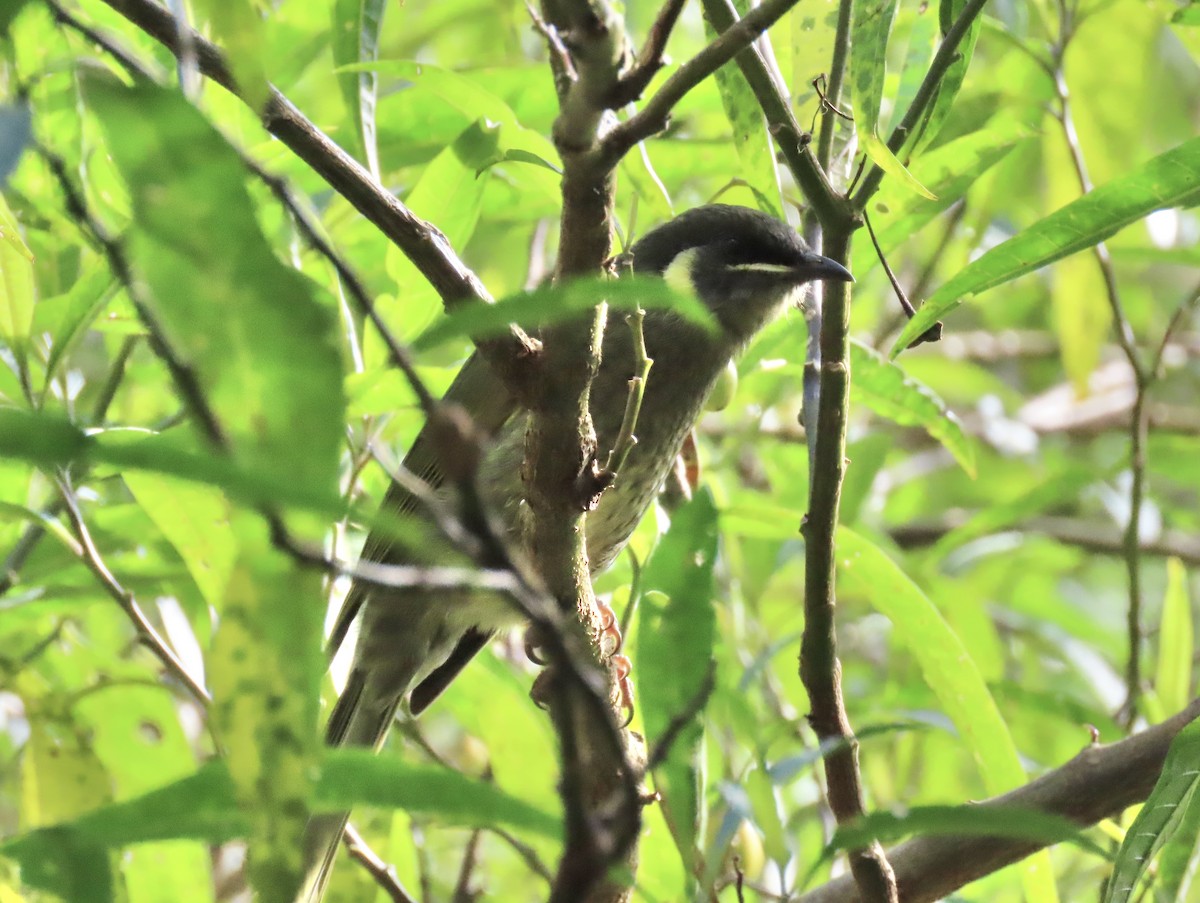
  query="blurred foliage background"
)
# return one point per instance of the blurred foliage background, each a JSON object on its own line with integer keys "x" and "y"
{"x": 1012, "y": 526}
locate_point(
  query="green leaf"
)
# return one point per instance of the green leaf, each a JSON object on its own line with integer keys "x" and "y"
{"x": 750, "y": 138}
{"x": 50, "y": 442}
{"x": 450, "y": 194}
{"x": 1163, "y": 814}
{"x": 264, "y": 671}
{"x": 16, "y": 283}
{"x": 519, "y": 156}
{"x": 68, "y": 316}
{"x": 949, "y": 171}
{"x": 353, "y": 776}
{"x": 870, "y": 27}
{"x": 237, "y": 26}
{"x": 948, "y": 670}
{"x": 882, "y": 157}
{"x": 195, "y": 520}
{"x": 952, "y": 79}
{"x": 203, "y": 806}
{"x": 356, "y": 27}
{"x": 1165, "y": 181}
{"x": 262, "y": 346}
{"x": 676, "y": 629}
{"x": 890, "y": 392}
{"x": 553, "y": 304}
{"x": 1173, "y": 676}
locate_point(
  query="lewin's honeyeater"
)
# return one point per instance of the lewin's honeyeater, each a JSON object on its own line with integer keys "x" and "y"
{"x": 745, "y": 267}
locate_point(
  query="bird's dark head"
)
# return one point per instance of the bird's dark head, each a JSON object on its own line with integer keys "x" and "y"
{"x": 743, "y": 264}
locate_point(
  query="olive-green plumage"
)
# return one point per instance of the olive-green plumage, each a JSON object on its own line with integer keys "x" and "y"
{"x": 745, "y": 267}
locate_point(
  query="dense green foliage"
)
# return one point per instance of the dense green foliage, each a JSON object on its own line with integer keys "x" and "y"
{"x": 984, "y": 568}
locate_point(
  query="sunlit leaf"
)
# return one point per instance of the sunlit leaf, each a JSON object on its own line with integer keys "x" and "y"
{"x": 1173, "y": 675}
{"x": 1164, "y": 181}
{"x": 254, "y": 330}
{"x": 675, "y": 649}
{"x": 1168, "y": 809}
{"x": 551, "y": 305}
{"x": 948, "y": 670}
{"x": 16, "y": 282}
{"x": 890, "y": 392}
{"x": 749, "y": 128}
{"x": 356, "y": 27}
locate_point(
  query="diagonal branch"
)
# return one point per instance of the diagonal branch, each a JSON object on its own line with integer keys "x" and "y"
{"x": 793, "y": 141}
{"x": 653, "y": 117}
{"x": 1098, "y": 783}
{"x": 420, "y": 241}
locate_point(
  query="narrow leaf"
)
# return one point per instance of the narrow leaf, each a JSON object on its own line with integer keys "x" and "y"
{"x": 948, "y": 670}
{"x": 550, "y": 305}
{"x": 1165, "y": 181}
{"x": 356, "y": 26}
{"x": 16, "y": 282}
{"x": 1173, "y": 676}
{"x": 890, "y": 392}
{"x": 676, "y": 630}
{"x": 1160, "y": 817}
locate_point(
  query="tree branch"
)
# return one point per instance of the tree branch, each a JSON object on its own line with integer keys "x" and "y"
{"x": 420, "y": 241}
{"x": 820, "y": 670}
{"x": 1098, "y": 783}
{"x": 830, "y": 208}
{"x": 654, "y": 115}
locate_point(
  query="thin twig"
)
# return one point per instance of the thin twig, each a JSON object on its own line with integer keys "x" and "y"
{"x": 652, "y": 117}
{"x": 383, "y": 873}
{"x": 837, "y": 75}
{"x": 934, "y": 332}
{"x": 634, "y": 81}
{"x": 312, "y": 234}
{"x": 642, "y": 362}
{"x": 146, "y": 631}
{"x": 1139, "y": 426}
{"x": 1185, "y": 308}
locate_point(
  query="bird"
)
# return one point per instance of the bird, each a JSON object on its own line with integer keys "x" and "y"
{"x": 746, "y": 267}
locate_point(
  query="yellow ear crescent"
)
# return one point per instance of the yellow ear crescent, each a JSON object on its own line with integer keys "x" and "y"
{"x": 678, "y": 273}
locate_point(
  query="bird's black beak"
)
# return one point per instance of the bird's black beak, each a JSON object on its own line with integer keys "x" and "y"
{"x": 818, "y": 267}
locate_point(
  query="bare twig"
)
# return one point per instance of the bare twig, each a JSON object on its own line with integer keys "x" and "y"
{"x": 1139, "y": 426}
{"x": 634, "y": 81}
{"x": 934, "y": 332}
{"x": 147, "y": 634}
{"x": 820, "y": 670}
{"x": 383, "y": 873}
{"x": 1091, "y": 536}
{"x": 652, "y": 117}
{"x": 1182, "y": 312}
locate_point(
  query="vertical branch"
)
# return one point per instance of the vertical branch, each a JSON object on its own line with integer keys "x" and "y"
{"x": 1139, "y": 424}
{"x": 820, "y": 669}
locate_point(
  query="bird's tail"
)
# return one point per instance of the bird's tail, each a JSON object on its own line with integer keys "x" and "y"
{"x": 350, "y": 724}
